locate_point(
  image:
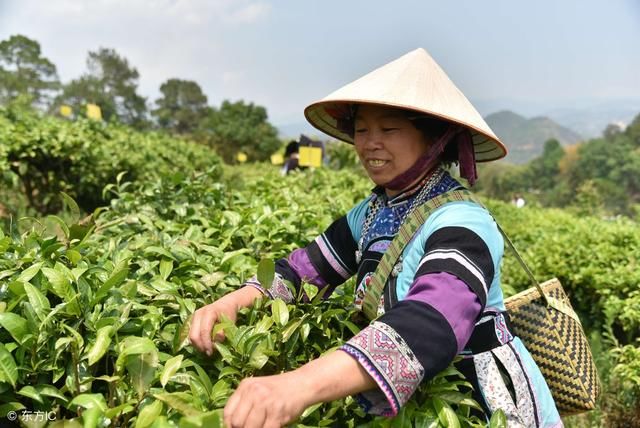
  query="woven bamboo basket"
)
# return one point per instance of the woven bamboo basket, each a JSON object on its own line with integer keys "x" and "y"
{"x": 557, "y": 344}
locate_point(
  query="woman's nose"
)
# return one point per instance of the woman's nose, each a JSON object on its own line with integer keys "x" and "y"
{"x": 372, "y": 140}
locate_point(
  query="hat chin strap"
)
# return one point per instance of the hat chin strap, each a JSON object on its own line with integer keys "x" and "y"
{"x": 426, "y": 162}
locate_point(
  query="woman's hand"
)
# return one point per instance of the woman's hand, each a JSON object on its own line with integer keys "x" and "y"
{"x": 207, "y": 316}
{"x": 269, "y": 401}
{"x": 275, "y": 401}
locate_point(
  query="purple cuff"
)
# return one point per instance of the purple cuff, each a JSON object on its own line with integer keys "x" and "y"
{"x": 301, "y": 264}
{"x": 453, "y": 298}
{"x": 387, "y": 358}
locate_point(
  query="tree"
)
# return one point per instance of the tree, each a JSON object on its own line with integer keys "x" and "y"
{"x": 24, "y": 71}
{"x": 111, "y": 83}
{"x": 241, "y": 127}
{"x": 544, "y": 170}
{"x": 182, "y": 106}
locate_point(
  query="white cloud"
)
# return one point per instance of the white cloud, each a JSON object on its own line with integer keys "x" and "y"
{"x": 250, "y": 13}
{"x": 173, "y": 12}
{"x": 230, "y": 78}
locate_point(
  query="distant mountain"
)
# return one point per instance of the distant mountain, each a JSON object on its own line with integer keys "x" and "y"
{"x": 590, "y": 121}
{"x": 524, "y": 137}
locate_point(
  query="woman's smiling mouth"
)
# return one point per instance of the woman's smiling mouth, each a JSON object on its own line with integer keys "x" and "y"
{"x": 376, "y": 163}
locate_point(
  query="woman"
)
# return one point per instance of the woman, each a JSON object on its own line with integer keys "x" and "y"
{"x": 406, "y": 120}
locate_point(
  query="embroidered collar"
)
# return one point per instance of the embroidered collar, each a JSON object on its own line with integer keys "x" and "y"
{"x": 402, "y": 197}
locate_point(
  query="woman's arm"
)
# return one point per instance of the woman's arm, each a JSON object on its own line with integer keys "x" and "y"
{"x": 274, "y": 401}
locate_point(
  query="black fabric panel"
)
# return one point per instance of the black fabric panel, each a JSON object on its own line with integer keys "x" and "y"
{"x": 323, "y": 267}
{"x": 426, "y": 332}
{"x": 466, "y": 243}
{"x": 468, "y": 370}
{"x": 284, "y": 269}
{"x": 341, "y": 239}
{"x": 338, "y": 235}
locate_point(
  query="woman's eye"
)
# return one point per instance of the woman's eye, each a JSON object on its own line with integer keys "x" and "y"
{"x": 360, "y": 130}
{"x": 389, "y": 129}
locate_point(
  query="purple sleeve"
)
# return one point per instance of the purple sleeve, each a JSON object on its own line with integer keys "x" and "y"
{"x": 326, "y": 262}
{"x": 450, "y": 296}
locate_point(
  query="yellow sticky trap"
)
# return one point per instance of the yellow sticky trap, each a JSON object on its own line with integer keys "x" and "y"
{"x": 277, "y": 159}
{"x": 94, "y": 112}
{"x": 66, "y": 110}
{"x": 310, "y": 156}
{"x": 241, "y": 157}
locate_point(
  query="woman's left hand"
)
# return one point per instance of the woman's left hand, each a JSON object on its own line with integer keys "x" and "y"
{"x": 268, "y": 401}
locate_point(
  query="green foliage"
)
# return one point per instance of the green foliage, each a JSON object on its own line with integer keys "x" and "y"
{"x": 24, "y": 71}
{"x": 111, "y": 83}
{"x": 601, "y": 171}
{"x": 47, "y": 155}
{"x": 182, "y": 106}
{"x": 240, "y": 127}
{"x": 595, "y": 260}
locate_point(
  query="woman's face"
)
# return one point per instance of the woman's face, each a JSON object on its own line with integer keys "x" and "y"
{"x": 387, "y": 143}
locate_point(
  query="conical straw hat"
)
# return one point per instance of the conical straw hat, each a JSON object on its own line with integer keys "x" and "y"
{"x": 414, "y": 82}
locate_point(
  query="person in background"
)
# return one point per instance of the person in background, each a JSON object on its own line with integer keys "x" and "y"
{"x": 408, "y": 123}
{"x": 291, "y": 155}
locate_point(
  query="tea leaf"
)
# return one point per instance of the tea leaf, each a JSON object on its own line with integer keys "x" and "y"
{"x": 166, "y": 266}
{"x": 142, "y": 370}
{"x": 38, "y": 301}
{"x": 8, "y": 368}
{"x": 170, "y": 368}
{"x": 280, "y": 312}
{"x": 72, "y": 206}
{"x": 179, "y": 402}
{"x": 266, "y": 272}
{"x": 30, "y": 392}
{"x": 446, "y": 415}
{"x": 101, "y": 344}
{"x": 27, "y": 274}
{"x": 498, "y": 419}
{"x": 148, "y": 414}
{"x": 91, "y": 416}
{"x": 112, "y": 282}
{"x": 15, "y": 325}
{"x": 89, "y": 401}
{"x": 132, "y": 345}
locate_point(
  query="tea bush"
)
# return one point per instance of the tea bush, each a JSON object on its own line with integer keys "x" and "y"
{"x": 42, "y": 156}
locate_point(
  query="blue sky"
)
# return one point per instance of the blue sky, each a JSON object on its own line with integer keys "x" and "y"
{"x": 528, "y": 56}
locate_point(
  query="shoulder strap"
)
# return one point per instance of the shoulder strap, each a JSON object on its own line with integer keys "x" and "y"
{"x": 408, "y": 229}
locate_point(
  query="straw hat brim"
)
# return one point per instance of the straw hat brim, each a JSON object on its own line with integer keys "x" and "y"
{"x": 413, "y": 82}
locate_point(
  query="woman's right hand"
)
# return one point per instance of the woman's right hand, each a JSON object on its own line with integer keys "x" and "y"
{"x": 207, "y": 316}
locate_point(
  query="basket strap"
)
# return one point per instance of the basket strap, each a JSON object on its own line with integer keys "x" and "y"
{"x": 522, "y": 262}
{"x": 557, "y": 304}
{"x": 394, "y": 252}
